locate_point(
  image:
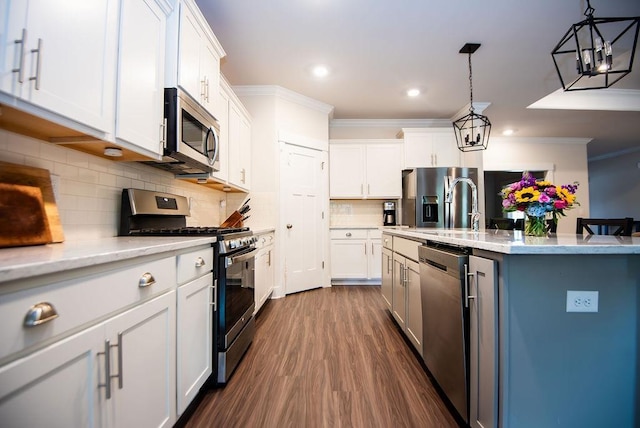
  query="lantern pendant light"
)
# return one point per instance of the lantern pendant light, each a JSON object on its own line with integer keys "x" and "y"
{"x": 597, "y": 52}
{"x": 472, "y": 131}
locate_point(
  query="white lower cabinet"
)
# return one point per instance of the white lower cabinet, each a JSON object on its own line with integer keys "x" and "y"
{"x": 406, "y": 296}
{"x": 118, "y": 373}
{"x": 194, "y": 338}
{"x": 387, "y": 273}
{"x": 195, "y": 300}
{"x": 356, "y": 254}
{"x": 265, "y": 272}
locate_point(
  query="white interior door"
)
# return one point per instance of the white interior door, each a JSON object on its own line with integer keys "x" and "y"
{"x": 302, "y": 222}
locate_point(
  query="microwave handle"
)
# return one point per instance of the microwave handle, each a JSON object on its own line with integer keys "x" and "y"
{"x": 216, "y": 144}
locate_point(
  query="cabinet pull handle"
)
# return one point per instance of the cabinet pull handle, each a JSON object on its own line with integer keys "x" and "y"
{"x": 215, "y": 295}
{"x": 40, "y": 313}
{"x": 200, "y": 262}
{"x": 348, "y": 234}
{"x": 37, "y": 76}
{"x": 467, "y": 274}
{"x": 20, "y": 69}
{"x": 107, "y": 369}
{"x": 202, "y": 88}
{"x": 289, "y": 226}
{"x": 119, "y": 375}
{"x": 368, "y": 189}
{"x": 372, "y": 253}
{"x": 406, "y": 276}
{"x": 365, "y": 248}
{"x": 244, "y": 175}
{"x": 163, "y": 134}
{"x": 146, "y": 280}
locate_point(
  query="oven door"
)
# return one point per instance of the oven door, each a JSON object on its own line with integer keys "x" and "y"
{"x": 236, "y": 299}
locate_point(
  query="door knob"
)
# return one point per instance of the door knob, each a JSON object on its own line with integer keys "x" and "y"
{"x": 289, "y": 226}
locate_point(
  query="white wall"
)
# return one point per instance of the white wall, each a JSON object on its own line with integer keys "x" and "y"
{"x": 614, "y": 187}
{"x": 89, "y": 191}
{"x": 566, "y": 157}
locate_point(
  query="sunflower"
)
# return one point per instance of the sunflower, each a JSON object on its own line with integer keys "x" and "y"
{"x": 566, "y": 195}
{"x": 528, "y": 194}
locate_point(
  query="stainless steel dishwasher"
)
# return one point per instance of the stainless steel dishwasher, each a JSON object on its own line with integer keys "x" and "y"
{"x": 445, "y": 320}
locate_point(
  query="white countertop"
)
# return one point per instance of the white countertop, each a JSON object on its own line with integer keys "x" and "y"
{"x": 514, "y": 242}
{"x": 24, "y": 262}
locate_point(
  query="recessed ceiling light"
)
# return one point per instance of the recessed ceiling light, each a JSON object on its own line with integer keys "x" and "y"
{"x": 508, "y": 132}
{"x": 413, "y": 92}
{"x": 113, "y": 152}
{"x": 320, "y": 71}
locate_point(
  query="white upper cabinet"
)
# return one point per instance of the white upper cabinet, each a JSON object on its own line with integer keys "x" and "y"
{"x": 364, "y": 169}
{"x": 199, "y": 53}
{"x": 140, "y": 83}
{"x": 59, "y": 56}
{"x": 235, "y": 131}
{"x": 430, "y": 147}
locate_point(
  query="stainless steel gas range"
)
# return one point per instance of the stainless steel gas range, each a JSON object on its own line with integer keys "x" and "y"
{"x": 148, "y": 213}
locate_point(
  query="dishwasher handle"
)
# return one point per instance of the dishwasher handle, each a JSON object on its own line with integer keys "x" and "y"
{"x": 467, "y": 274}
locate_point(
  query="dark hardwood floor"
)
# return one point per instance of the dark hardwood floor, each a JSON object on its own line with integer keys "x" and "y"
{"x": 330, "y": 357}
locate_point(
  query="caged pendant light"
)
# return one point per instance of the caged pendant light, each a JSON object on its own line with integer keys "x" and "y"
{"x": 597, "y": 52}
{"x": 472, "y": 131}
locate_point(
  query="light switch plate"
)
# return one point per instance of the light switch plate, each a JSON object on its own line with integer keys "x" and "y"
{"x": 582, "y": 301}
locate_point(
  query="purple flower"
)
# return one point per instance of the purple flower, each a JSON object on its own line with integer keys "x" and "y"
{"x": 544, "y": 198}
{"x": 551, "y": 191}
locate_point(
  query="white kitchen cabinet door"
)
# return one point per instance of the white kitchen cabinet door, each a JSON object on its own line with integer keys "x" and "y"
{"x": 414, "y": 304}
{"x": 199, "y": 60}
{"x": 424, "y": 147}
{"x": 383, "y": 171}
{"x": 349, "y": 259}
{"x": 346, "y": 171}
{"x": 65, "y": 55}
{"x": 57, "y": 386}
{"x": 195, "y": 338}
{"x": 399, "y": 309}
{"x": 365, "y": 170}
{"x": 265, "y": 272}
{"x": 239, "y": 147}
{"x": 140, "y": 87}
{"x": 387, "y": 277}
{"x": 375, "y": 258}
{"x": 145, "y": 360}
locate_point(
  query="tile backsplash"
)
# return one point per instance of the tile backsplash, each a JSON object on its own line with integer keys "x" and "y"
{"x": 88, "y": 188}
{"x": 356, "y": 212}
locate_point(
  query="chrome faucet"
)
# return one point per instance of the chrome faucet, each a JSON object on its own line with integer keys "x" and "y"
{"x": 475, "y": 214}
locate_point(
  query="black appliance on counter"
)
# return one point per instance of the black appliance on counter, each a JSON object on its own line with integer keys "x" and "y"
{"x": 149, "y": 213}
{"x": 388, "y": 213}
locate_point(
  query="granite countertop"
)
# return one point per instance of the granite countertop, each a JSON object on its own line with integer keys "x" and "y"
{"x": 514, "y": 242}
{"x": 367, "y": 227}
{"x": 24, "y": 262}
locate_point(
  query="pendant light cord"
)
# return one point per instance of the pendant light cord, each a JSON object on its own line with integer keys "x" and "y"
{"x": 470, "y": 86}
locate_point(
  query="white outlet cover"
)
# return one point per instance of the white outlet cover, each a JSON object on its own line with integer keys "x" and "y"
{"x": 582, "y": 301}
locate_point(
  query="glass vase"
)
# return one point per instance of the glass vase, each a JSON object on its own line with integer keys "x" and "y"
{"x": 535, "y": 226}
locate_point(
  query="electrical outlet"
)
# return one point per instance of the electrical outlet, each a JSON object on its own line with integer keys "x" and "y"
{"x": 582, "y": 301}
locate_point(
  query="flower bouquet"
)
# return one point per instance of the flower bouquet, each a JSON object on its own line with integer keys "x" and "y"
{"x": 537, "y": 198}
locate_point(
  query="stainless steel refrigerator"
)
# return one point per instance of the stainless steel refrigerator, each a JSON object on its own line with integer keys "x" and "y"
{"x": 423, "y": 197}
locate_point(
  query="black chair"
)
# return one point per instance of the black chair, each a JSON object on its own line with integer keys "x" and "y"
{"x": 619, "y": 226}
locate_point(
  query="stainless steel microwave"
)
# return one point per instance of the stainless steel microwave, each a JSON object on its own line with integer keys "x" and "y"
{"x": 192, "y": 137}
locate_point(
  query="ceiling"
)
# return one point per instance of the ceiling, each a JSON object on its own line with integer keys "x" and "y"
{"x": 376, "y": 50}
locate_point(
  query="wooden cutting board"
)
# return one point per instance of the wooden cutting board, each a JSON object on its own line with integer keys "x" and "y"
{"x": 40, "y": 178}
{"x": 23, "y": 219}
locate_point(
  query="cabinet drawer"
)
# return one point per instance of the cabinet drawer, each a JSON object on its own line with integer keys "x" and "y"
{"x": 264, "y": 240}
{"x": 406, "y": 247}
{"x": 348, "y": 233}
{"x": 194, "y": 264}
{"x": 387, "y": 241}
{"x": 375, "y": 234}
{"x": 79, "y": 301}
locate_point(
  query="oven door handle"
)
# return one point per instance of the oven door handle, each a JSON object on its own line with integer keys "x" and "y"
{"x": 242, "y": 257}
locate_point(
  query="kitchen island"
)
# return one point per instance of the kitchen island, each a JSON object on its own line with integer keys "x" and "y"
{"x": 542, "y": 366}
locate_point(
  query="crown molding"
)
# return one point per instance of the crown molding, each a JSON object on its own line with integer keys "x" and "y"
{"x": 282, "y": 93}
{"x": 541, "y": 140}
{"x": 389, "y": 123}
